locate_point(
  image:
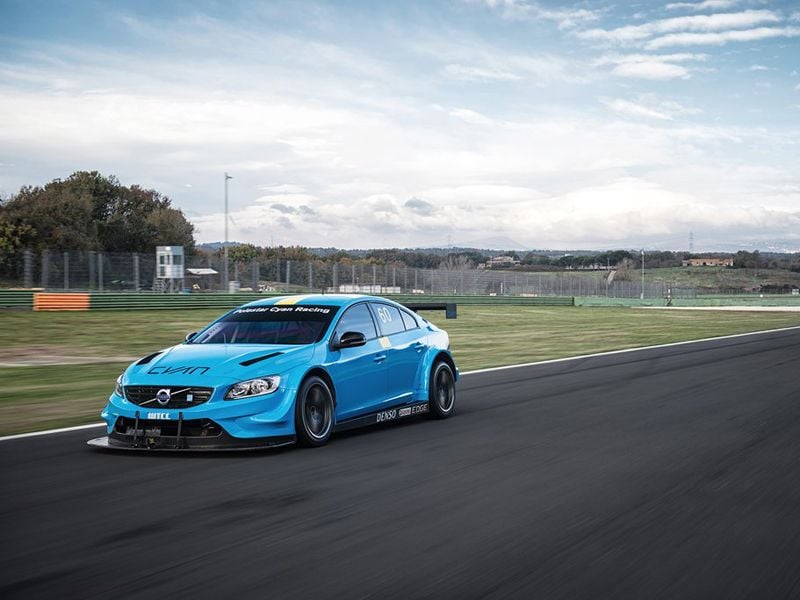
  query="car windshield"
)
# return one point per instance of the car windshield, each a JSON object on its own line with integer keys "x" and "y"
{"x": 269, "y": 325}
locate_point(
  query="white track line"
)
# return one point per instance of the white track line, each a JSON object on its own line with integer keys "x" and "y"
{"x": 489, "y": 370}
{"x": 49, "y": 431}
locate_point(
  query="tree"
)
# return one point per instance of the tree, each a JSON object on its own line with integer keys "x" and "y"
{"x": 13, "y": 238}
{"x": 88, "y": 211}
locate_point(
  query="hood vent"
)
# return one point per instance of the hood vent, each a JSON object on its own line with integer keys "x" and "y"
{"x": 257, "y": 359}
{"x": 147, "y": 359}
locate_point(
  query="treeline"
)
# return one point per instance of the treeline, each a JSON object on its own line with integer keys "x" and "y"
{"x": 88, "y": 211}
{"x": 464, "y": 259}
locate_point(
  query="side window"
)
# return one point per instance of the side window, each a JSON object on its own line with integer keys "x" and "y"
{"x": 408, "y": 320}
{"x": 389, "y": 317}
{"x": 357, "y": 318}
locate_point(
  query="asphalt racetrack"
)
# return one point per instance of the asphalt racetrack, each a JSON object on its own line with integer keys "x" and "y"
{"x": 663, "y": 473}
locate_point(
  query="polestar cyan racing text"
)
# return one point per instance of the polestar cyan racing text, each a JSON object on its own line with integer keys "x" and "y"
{"x": 280, "y": 370}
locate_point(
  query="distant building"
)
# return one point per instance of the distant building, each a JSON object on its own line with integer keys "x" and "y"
{"x": 499, "y": 261}
{"x": 708, "y": 262}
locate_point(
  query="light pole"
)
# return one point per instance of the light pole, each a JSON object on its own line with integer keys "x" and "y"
{"x": 641, "y": 297}
{"x": 225, "y": 279}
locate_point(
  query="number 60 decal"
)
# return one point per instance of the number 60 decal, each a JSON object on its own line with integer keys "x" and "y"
{"x": 384, "y": 315}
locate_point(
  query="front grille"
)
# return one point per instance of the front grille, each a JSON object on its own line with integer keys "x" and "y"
{"x": 179, "y": 397}
{"x": 127, "y": 426}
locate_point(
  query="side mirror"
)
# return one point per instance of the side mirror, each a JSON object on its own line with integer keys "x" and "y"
{"x": 350, "y": 339}
{"x": 191, "y": 336}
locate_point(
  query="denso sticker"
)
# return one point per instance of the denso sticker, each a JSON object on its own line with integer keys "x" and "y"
{"x": 158, "y": 416}
{"x": 386, "y": 415}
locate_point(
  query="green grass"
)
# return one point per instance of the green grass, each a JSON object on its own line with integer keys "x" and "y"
{"x": 41, "y": 397}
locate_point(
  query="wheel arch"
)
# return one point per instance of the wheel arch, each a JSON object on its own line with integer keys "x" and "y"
{"x": 438, "y": 355}
{"x": 322, "y": 374}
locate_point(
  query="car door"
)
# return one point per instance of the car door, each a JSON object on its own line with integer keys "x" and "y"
{"x": 359, "y": 374}
{"x": 403, "y": 349}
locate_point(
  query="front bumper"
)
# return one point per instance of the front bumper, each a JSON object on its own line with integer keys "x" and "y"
{"x": 181, "y": 435}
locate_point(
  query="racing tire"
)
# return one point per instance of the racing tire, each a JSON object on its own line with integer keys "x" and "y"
{"x": 313, "y": 414}
{"x": 442, "y": 391}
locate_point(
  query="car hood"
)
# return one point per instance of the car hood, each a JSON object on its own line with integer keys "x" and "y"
{"x": 199, "y": 364}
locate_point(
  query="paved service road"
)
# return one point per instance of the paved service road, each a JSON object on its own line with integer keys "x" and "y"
{"x": 664, "y": 473}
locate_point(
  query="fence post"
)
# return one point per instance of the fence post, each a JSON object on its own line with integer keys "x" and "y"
{"x": 335, "y": 277}
{"x": 45, "y": 267}
{"x": 288, "y": 274}
{"x": 92, "y": 265}
{"x": 310, "y": 276}
{"x": 135, "y": 271}
{"x": 27, "y": 266}
{"x": 66, "y": 270}
{"x": 277, "y": 273}
{"x": 374, "y": 278}
{"x": 255, "y": 275}
{"x": 353, "y": 276}
{"x": 100, "y": 271}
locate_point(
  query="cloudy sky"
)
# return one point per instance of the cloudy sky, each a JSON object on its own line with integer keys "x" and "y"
{"x": 536, "y": 124}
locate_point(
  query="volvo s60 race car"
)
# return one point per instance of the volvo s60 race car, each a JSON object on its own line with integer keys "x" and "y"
{"x": 283, "y": 370}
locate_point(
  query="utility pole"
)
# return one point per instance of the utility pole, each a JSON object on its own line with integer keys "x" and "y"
{"x": 642, "y": 295}
{"x": 226, "y": 281}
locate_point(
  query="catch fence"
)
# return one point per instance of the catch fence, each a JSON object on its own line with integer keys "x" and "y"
{"x": 135, "y": 272}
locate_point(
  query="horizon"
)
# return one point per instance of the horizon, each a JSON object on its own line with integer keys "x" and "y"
{"x": 457, "y": 122}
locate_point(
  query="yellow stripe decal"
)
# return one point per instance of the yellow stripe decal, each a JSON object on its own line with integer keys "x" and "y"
{"x": 292, "y": 299}
{"x": 385, "y": 343}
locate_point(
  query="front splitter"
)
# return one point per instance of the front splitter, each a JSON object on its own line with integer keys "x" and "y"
{"x": 103, "y": 443}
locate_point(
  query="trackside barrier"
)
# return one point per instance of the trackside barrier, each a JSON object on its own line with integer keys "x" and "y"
{"x": 45, "y": 301}
{"x": 222, "y": 301}
{"x": 16, "y": 299}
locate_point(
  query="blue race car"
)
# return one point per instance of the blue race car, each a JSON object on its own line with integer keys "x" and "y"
{"x": 283, "y": 370}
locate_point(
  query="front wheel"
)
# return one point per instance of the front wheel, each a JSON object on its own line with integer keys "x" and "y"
{"x": 313, "y": 415}
{"x": 442, "y": 393}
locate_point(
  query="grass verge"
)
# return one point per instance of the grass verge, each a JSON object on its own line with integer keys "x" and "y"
{"x": 43, "y": 397}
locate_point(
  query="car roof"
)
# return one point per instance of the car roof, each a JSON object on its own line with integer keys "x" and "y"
{"x": 315, "y": 299}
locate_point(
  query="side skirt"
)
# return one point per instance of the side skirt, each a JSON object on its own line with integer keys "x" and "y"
{"x": 383, "y": 416}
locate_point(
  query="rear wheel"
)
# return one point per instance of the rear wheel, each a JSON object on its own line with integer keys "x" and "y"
{"x": 313, "y": 416}
{"x": 442, "y": 391}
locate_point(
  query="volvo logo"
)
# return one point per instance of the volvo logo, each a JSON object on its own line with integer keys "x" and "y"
{"x": 163, "y": 396}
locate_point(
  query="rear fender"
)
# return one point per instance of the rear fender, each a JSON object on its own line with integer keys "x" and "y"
{"x": 431, "y": 357}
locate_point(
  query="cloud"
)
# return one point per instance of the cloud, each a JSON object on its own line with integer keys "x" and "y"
{"x": 700, "y": 23}
{"x": 634, "y": 211}
{"x": 285, "y": 188}
{"x": 705, "y": 5}
{"x": 721, "y": 38}
{"x": 470, "y": 116}
{"x": 565, "y": 18}
{"x": 468, "y": 73}
{"x": 650, "y": 66}
{"x": 649, "y": 106}
{"x": 419, "y": 206}
{"x": 626, "y": 107}
{"x": 283, "y": 208}
{"x": 651, "y": 70}
{"x": 758, "y": 68}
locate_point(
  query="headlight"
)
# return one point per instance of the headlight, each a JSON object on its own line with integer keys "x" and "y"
{"x": 253, "y": 387}
{"x": 118, "y": 388}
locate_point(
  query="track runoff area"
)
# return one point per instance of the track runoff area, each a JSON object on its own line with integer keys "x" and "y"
{"x": 660, "y": 472}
